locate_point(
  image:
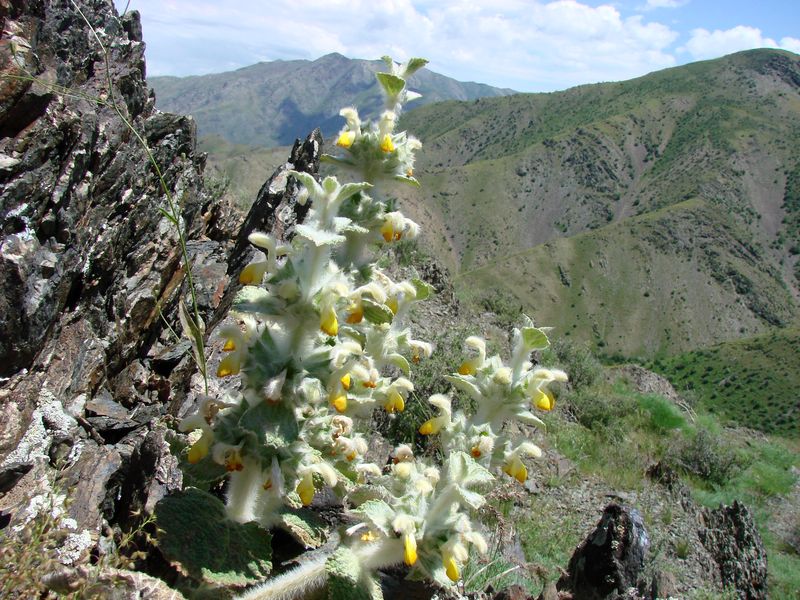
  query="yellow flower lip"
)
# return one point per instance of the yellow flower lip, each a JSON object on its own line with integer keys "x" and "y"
{"x": 451, "y": 568}
{"x": 394, "y": 402}
{"x": 429, "y": 427}
{"x": 228, "y": 366}
{"x": 198, "y": 451}
{"x": 467, "y": 368}
{"x": 356, "y": 314}
{"x": 516, "y": 469}
{"x": 346, "y": 139}
{"x": 340, "y": 403}
{"x": 305, "y": 489}
{"x": 544, "y": 400}
{"x": 329, "y": 324}
{"x": 387, "y": 145}
{"x": 346, "y": 380}
{"x": 253, "y": 273}
{"x": 409, "y": 549}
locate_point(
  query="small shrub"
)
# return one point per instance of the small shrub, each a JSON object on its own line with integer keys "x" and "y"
{"x": 599, "y": 409}
{"x": 503, "y": 305}
{"x": 682, "y": 548}
{"x": 705, "y": 455}
{"x": 578, "y": 360}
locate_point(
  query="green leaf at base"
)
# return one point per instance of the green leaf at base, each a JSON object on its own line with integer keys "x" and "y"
{"x": 195, "y": 533}
{"x": 304, "y": 526}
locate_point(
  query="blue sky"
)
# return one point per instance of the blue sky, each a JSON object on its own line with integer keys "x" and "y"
{"x": 526, "y": 45}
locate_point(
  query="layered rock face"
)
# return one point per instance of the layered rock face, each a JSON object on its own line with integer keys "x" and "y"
{"x": 91, "y": 269}
{"x": 88, "y": 263}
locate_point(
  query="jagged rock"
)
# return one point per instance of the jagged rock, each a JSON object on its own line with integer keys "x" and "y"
{"x": 663, "y": 585}
{"x": 731, "y": 538}
{"x": 91, "y": 271}
{"x": 110, "y": 584}
{"x": 608, "y": 564}
{"x": 275, "y": 210}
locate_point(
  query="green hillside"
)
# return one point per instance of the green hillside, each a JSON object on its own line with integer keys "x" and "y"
{"x": 634, "y": 289}
{"x": 650, "y": 216}
{"x": 753, "y": 382}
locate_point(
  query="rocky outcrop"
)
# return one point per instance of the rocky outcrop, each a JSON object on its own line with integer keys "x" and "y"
{"x": 91, "y": 267}
{"x": 609, "y": 562}
{"x": 731, "y": 538}
{"x": 645, "y": 381}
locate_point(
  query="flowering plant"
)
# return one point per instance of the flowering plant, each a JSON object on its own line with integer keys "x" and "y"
{"x": 320, "y": 341}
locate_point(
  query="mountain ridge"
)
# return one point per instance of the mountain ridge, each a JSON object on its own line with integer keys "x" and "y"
{"x": 270, "y": 103}
{"x": 709, "y": 144}
{"x": 583, "y": 162}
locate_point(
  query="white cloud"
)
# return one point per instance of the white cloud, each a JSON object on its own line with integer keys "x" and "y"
{"x": 653, "y": 4}
{"x": 791, "y": 44}
{"x": 711, "y": 44}
{"x": 524, "y": 44}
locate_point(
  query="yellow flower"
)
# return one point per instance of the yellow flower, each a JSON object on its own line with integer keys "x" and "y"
{"x": 253, "y": 273}
{"x": 328, "y": 322}
{"x": 228, "y": 455}
{"x": 389, "y": 233}
{"x": 229, "y": 365}
{"x": 305, "y": 489}
{"x": 429, "y": 427}
{"x": 346, "y": 139}
{"x": 419, "y": 349}
{"x": 370, "y": 536}
{"x": 476, "y": 347}
{"x": 199, "y": 450}
{"x": 403, "y": 453}
{"x": 516, "y": 469}
{"x": 387, "y": 145}
{"x": 451, "y": 567}
{"x": 346, "y": 380}
{"x": 339, "y": 402}
{"x": 453, "y": 553}
{"x": 483, "y": 445}
{"x": 544, "y": 399}
{"x": 393, "y": 304}
{"x": 540, "y": 395}
{"x": 435, "y": 424}
{"x": 356, "y": 314}
{"x": 409, "y": 549}
{"x": 394, "y": 402}
{"x": 467, "y": 368}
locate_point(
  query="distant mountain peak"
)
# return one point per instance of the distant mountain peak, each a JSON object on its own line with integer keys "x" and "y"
{"x": 272, "y": 103}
